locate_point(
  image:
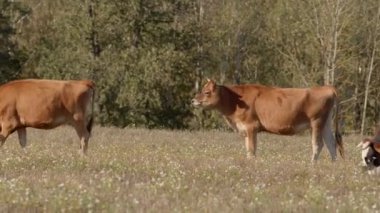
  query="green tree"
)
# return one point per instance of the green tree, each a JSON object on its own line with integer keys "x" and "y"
{"x": 149, "y": 57}
{"x": 11, "y": 57}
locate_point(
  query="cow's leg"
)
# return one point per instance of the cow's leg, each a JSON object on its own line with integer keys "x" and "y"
{"x": 4, "y": 133}
{"x": 316, "y": 140}
{"x": 329, "y": 140}
{"x": 22, "y": 136}
{"x": 2, "y": 139}
{"x": 84, "y": 136}
{"x": 251, "y": 142}
{"x": 81, "y": 129}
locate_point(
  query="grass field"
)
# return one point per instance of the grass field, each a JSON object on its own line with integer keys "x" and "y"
{"x": 139, "y": 170}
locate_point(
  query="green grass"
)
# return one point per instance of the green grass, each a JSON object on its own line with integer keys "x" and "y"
{"x": 139, "y": 170}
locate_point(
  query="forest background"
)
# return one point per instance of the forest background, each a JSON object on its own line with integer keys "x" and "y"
{"x": 148, "y": 58}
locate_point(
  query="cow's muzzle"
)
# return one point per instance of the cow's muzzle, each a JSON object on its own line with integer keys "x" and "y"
{"x": 195, "y": 102}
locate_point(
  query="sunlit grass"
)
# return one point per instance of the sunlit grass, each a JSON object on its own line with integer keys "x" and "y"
{"x": 162, "y": 170}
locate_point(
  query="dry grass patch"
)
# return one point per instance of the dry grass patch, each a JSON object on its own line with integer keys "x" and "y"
{"x": 160, "y": 170}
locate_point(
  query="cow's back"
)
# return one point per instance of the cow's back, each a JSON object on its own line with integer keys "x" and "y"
{"x": 285, "y": 110}
{"x": 28, "y": 93}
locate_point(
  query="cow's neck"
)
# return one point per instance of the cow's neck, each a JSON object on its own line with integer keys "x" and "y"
{"x": 228, "y": 101}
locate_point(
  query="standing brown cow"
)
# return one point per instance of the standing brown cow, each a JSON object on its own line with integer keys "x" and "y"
{"x": 46, "y": 104}
{"x": 285, "y": 111}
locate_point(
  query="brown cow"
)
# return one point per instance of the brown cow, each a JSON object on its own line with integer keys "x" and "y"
{"x": 46, "y": 104}
{"x": 254, "y": 108}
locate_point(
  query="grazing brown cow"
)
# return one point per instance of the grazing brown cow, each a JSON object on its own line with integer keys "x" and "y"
{"x": 371, "y": 152}
{"x": 46, "y": 104}
{"x": 285, "y": 111}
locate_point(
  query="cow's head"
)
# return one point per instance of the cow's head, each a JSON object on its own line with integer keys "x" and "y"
{"x": 208, "y": 97}
{"x": 370, "y": 153}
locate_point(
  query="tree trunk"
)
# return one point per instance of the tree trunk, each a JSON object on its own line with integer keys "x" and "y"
{"x": 238, "y": 58}
{"x": 95, "y": 47}
{"x": 332, "y": 44}
{"x": 199, "y": 67}
{"x": 370, "y": 70}
{"x": 367, "y": 86}
{"x": 357, "y": 105}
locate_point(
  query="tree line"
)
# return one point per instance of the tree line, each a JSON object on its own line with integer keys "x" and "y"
{"x": 148, "y": 58}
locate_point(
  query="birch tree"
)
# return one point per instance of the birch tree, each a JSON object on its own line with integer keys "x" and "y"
{"x": 373, "y": 41}
{"x": 329, "y": 21}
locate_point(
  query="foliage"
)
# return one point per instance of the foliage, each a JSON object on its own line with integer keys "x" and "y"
{"x": 11, "y": 57}
{"x": 148, "y": 58}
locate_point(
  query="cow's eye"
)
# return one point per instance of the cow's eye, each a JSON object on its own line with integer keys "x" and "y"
{"x": 367, "y": 160}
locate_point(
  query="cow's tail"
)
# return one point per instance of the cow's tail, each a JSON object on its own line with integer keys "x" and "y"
{"x": 338, "y": 136}
{"x": 90, "y": 122}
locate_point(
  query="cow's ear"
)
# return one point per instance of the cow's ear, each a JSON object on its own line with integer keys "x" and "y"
{"x": 210, "y": 81}
{"x": 213, "y": 85}
{"x": 363, "y": 144}
{"x": 377, "y": 147}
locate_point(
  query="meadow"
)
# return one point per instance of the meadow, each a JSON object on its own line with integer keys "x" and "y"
{"x": 141, "y": 170}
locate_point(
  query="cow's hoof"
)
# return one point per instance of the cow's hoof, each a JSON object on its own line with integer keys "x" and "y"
{"x": 250, "y": 156}
{"x": 314, "y": 162}
{"x": 24, "y": 150}
{"x": 81, "y": 153}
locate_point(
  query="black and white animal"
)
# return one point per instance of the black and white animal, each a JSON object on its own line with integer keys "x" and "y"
{"x": 371, "y": 153}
